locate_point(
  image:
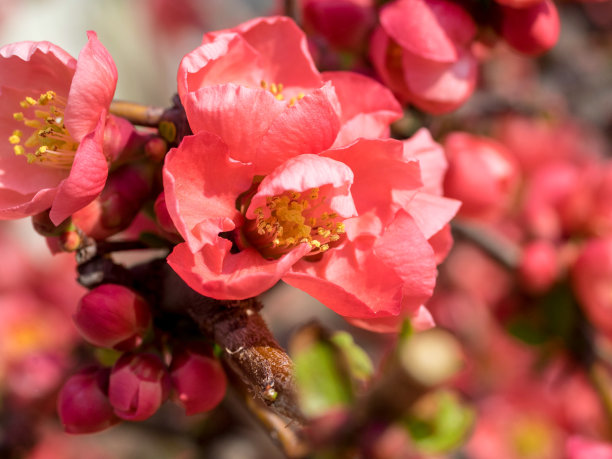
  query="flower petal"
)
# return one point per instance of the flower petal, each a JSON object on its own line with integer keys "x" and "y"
{"x": 303, "y": 173}
{"x": 201, "y": 185}
{"x": 37, "y": 66}
{"x": 220, "y": 109}
{"x": 92, "y": 88}
{"x": 87, "y": 176}
{"x": 431, "y": 29}
{"x": 216, "y": 273}
{"x": 431, "y": 157}
{"x": 309, "y": 126}
{"x": 384, "y": 182}
{"x": 375, "y": 109}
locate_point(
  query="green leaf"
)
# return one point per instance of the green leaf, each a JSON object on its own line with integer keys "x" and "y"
{"x": 360, "y": 365}
{"x": 321, "y": 384}
{"x": 440, "y": 423}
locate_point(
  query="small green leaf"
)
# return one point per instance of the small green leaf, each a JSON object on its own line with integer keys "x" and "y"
{"x": 360, "y": 365}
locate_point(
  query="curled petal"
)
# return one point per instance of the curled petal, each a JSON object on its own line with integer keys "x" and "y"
{"x": 92, "y": 88}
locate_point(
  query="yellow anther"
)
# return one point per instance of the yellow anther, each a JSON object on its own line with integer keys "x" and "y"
{"x": 33, "y": 124}
{"x": 315, "y": 243}
{"x": 294, "y": 194}
{"x": 340, "y": 228}
{"x": 324, "y": 247}
{"x": 14, "y": 139}
{"x": 280, "y": 87}
{"x": 314, "y": 193}
{"x": 42, "y": 114}
{"x": 19, "y": 150}
{"x": 30, "y": 100}
{"x": 279, "y": 97}
{"x": 292, "y": 101}
{"x": 18, "y": 116}
{"x": 274, "y": 88}
{"x": 263, "y": 84}
{"x": 41, "y": 150}
{"x": 334, "y": 237}
{"x": 301, "y": 96}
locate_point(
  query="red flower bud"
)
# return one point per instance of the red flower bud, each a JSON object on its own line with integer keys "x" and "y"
{"x": 113, "y": 316}
{"x": 198, "y": 379}
{"x": 532, "y": 30}
{"x": 139, "y": 384}
{"x": 82, "y": 403}
{"x": 481, "y": 173}
{"x": 539, "y": 267}
{"x": 163, "y": 217}
{"x": 113, "y": 211}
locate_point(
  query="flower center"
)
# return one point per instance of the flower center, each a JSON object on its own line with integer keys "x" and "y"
{"x": 47, "y": 141}
{"x": 291, "y": 219}
{"x": 277, "y": 91}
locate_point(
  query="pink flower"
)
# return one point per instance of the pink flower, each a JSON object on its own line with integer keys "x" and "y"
{"x": 349, "y": 225}
{"x": 53, "y": 115}
{"x": 263, "y": 67}
{"x": 421, "y": 51}
{"x": 578, "y": 447}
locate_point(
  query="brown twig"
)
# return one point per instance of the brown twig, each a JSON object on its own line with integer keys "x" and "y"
{"x": 289, "y": 9}
{"x": 142, "y": 115}
{"x": 496, "y": 245}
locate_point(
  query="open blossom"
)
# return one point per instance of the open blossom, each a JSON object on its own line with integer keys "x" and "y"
{"x": 263, "y": 66}
{"x": 348, "y": 225}
{"x": 421, "y": 51}
{"x": 53, "y": 115}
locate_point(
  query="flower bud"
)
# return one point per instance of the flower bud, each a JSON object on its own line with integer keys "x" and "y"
{"x": 82, "y": 403}
{"x": 198, "y": 380}
{"x": 113, "y": 316}
{"x": 139, "y": 384}
{"x": 117, "y": 205}
{"x": 44, "y": 226}
{"x": 481, "y": 173}
{"x": 163, "y": 217}
{"x": 531, "y": 30}
{"x": 539, "y": 266}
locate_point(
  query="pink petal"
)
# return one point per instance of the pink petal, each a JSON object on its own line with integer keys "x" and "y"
{"x": 14, "y": 205}
{"x": 350, "y": 280}
{"x": 87, "y": 176}
{"x": 420, "y": 319}
{"x": 15, "y": 172}
{"x": 308, "y": 127}
{"x": 372, "y": 112}
{"x": 36, "y": 67}
{"x": 92, "y": 88}
{"x": 431, "y": 157}
{"x": 431, "y": 29}
{"x": 283, "y": 48}
{"x": 220, "y": 109}
{"x": 442, "y": 243}
{"x": 440, "y": 87}
{"x": 303, "y": 173}
{"x": 432, "y": 212}
{"x": 384, "y": 182}
{"x": 225, "y": 58}
{"x": 201, "y": 185}
{"x": 216, "y": 273}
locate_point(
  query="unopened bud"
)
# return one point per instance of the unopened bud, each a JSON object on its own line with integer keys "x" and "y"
{"x": 163, "y": 217}
{"x": 198, "y": 380}
{"x": 115, "y": 208}
{"x": 113, "y": 316}
{"x": 531, "y": 30}
{"x": 70, "y": 241}
{"x": 44, "y": 226}
{"x": 155, "y": 149}
{"x": 139, "y": 384}
{"x": 82, "y": 403}
{"x": 539, "y": 266}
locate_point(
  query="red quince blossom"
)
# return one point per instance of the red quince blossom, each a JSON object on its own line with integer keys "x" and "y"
{"x": 263, "y": 67}
{"x": 421, "y": 51}
{"x": 349, "y": 225}
{"x": 53, "y": 116}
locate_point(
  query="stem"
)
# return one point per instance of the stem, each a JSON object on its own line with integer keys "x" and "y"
{"x": 496, "y": 245}
{"x": 289, "y": 9}
{"x": 142, "y": 115}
